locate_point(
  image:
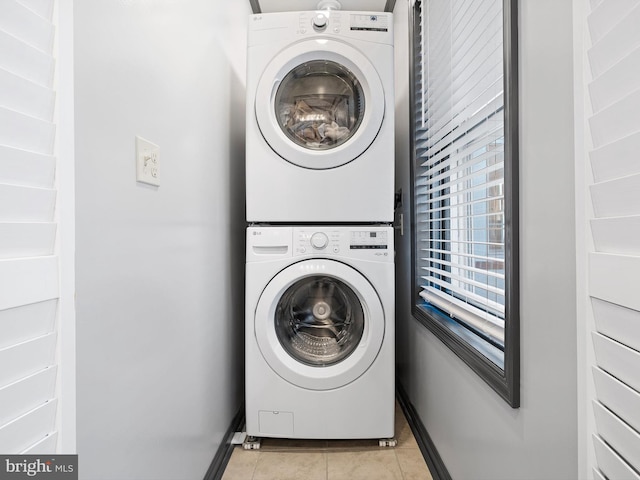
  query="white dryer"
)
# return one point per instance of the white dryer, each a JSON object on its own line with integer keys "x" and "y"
{"x": 320, "y": 117}
{"x": 320, "y": 332}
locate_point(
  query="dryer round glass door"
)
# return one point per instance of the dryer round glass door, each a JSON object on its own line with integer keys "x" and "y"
{"x": 319, "y": 324}
{"x": 320, "y": 104}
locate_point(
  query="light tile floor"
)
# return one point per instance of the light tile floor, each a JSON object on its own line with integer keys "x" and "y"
{"x": 280, "y": 459}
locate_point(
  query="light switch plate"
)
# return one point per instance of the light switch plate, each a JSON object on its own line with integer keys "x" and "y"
{"x": 147, "y": 162}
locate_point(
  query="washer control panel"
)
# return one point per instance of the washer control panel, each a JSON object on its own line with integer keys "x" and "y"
{"x": 313, "y": 241}
{"x": 369, "y": 240}
{"x": 361, "y": 242}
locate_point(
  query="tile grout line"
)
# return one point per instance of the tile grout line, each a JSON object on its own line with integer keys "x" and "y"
{"x": 395, "y": 454}
{"x": 326, "y": 465}
{"x": 255, "y": 466}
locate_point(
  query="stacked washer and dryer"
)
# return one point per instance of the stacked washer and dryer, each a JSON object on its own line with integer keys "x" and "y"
{"x": 320, "y": 256}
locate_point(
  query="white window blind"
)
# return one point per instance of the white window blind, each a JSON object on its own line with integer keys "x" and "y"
{"x": 459, "y": 170}
{"x": 29, "y": 269}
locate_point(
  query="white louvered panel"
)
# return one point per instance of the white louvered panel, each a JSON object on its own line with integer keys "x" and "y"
{"x": 20, "y": 167}
{"x": 26, "y": 394}
{"x": 25, "y": 60}
{"x": 29, "y": 429}
{"x": 26, "y": 25}
{"x": 614, "y": 92}
{"x": 621, "y": 399}
{"x": 24, "y": 323}
{"x": 25, "y": 132}
{"x": 606, "y": 16}
{"x": 20, "y": 361}
{"x": 29, "y": 273}
{"x": 616, "y": 322}
{"x": 597, "y": 475}
{"x": 44, "y": 8}
{"x": 617, "y": 235}
{"x": 622, "y": 438}
{"x": 613, "y": 278}
{"x": 28, "y": 280}
{"x": 617, "y": 159}
{"x": 26, "y": 239}
{"x": 619, "y": 360}
{"x": 45, "y": 446}
{"x": 616, "y": 83}
{"x": 26, "y": 204}
{"x": 26, "y": 97}
{"x": 611, "y": 464}
{"x": 618, "y": 42}
{"x": 616, "y": 121}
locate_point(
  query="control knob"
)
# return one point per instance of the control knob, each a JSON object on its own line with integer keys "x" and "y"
{"x": 320, "y": 21}
{"x": 319, "y": 240}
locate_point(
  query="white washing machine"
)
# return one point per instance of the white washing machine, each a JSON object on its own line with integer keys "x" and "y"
{"x": 320, "y": 117}
{"x": 320, "y": 332}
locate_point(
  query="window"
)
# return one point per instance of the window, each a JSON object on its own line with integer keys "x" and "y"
{"x": 465, "y": 178}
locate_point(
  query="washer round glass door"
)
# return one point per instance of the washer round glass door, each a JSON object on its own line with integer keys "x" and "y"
{"x": 319, "y": 324}
{"x": 319, "y": 104}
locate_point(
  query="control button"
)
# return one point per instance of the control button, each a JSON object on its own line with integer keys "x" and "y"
{"x": 319, "y": 240}
{"x": 320, "y": 21}
{"x": 303, "y": 250}
{"x": 336, "y": 249}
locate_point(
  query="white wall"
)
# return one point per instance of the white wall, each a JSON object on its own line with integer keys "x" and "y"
{"x": 477, "y": 434}
{"x": 159, "y": 270}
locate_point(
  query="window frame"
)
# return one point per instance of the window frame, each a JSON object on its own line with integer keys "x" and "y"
{"x": 505, "y": 381}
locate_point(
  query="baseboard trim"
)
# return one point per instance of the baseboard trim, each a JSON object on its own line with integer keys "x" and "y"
{"x": 427, "y": 447}
{"x": 223, "y": 454}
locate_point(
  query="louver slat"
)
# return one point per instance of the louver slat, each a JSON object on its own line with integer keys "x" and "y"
{"x": 28, "y": 429}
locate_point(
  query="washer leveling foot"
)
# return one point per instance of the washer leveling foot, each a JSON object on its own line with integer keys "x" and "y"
{"x": 388, "y": 442}
{"x": 251, "y": 443}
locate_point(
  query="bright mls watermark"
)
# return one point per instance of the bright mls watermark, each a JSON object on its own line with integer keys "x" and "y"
{"x": 46, "y": 467}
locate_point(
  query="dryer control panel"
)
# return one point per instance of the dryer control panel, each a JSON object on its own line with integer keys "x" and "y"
{"x": 284, "y": 28}
{"x": 336, "y": 22}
